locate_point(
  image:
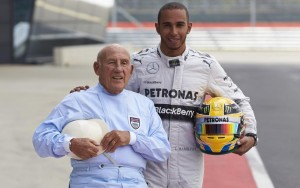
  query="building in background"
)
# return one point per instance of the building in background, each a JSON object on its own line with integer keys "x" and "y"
{"x": 30, "y": 29}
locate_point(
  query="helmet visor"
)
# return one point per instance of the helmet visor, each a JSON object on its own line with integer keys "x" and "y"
{"x": 222, "y": 128}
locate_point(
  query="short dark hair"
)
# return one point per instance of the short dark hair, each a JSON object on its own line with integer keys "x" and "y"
{"x": 173, "y": 5}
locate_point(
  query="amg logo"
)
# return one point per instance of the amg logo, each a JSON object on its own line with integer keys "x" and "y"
{"x": 176, "y": 112}
{"x": 216, "y": 119}
{"x": 165, "y": 93}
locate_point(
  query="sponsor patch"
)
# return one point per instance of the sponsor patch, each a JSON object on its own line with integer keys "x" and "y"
{"x": 152, "y": 68}
{"x": 176, "y": 112}
{"x": 134, "y": 122}
{"x": 174, "y": 63}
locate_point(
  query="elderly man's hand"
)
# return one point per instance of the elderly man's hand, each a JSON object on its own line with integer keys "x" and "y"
{"x": 84, "y": 148}
{"x": 114, "y": 139}
{"x": 79, "y": 88}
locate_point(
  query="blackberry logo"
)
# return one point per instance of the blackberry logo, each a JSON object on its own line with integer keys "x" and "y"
{"x": 177, "y": 112}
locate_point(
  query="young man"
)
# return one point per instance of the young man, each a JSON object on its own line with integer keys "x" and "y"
{"x": 136, "y": 135}
{"x": 176, "y": 78}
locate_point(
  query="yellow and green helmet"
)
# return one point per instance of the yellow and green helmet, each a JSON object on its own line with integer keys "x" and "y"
{"x": 219, "y": 124}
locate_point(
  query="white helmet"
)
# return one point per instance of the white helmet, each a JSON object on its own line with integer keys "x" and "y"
{"x": 94, "y": 129}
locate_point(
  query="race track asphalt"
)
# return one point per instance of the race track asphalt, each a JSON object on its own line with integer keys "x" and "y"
{"x": 274, "y": 91}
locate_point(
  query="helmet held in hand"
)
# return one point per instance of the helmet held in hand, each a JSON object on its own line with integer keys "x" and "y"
{"x": 218, "y": 126}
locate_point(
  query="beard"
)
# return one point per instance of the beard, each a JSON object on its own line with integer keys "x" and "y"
{"x": 177, "y": 45}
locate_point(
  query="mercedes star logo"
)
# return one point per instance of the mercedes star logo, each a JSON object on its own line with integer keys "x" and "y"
{"x": 152, "y": 68}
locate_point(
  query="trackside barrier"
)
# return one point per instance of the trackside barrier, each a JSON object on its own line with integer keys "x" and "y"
{"x": 76, "y": 55}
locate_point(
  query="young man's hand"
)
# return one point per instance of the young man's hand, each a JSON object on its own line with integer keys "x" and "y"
{"x": 245, "y": 144}
{"x": 79, "y": 88}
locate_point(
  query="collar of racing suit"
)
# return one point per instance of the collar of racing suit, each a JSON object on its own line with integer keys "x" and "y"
{"x": 173, "y": 61}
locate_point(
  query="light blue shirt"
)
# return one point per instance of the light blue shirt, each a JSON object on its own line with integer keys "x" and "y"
{"x": 125, "y": 111}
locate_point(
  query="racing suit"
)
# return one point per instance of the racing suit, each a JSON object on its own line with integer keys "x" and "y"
{"x": 177, "y": 86}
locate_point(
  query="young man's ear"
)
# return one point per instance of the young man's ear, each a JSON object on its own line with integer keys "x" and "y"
{"x": 157, "y": 28}
{"x": 189, "y": 27}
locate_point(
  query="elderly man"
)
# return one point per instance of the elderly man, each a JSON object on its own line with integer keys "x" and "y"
{"x": 136, "y": 135}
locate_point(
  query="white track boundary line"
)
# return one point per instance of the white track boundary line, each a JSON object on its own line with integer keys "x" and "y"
{"x": 258, "y": 169}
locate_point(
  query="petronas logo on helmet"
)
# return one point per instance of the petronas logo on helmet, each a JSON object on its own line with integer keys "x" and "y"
{"x": 216, "y": 119}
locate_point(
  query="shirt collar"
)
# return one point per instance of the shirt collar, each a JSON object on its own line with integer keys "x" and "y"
{"x": 100, "y": 88}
